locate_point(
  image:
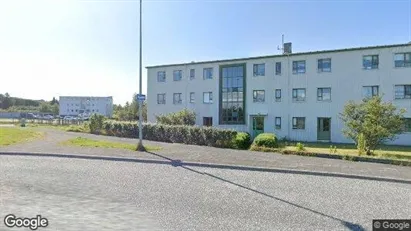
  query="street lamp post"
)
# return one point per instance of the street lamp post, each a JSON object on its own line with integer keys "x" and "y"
{"x": 140, "y": 146}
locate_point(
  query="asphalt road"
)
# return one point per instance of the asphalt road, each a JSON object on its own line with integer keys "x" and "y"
{"x": 77, "y": 194}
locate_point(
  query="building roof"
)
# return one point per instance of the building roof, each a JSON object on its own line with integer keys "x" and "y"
{"x": 281, "y": 55}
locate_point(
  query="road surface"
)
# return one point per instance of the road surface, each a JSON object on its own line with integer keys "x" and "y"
{"x": 78, "y": 194}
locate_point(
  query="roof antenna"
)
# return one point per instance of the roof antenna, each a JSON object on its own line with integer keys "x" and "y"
{"x": 282, "y": 45}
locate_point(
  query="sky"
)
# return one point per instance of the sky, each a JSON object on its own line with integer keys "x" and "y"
{"x": 51, "y": 48}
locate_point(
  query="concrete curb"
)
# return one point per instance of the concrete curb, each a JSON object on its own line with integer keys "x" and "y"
{"x": 179, "y": 163}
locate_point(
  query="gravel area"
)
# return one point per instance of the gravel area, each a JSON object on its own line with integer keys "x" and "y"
{"x": 191, "y": 153}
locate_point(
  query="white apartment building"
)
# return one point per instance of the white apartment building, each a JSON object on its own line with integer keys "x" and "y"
{"x": 75, "y": 105}
{"x": 294, "y": 95}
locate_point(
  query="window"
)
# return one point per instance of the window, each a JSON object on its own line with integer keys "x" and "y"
{"x": 278, "y": 68}
{"x": 278, "y": 95}
{"x": 407, "y": 124}
{"x": 208, "y": 73}
{"x": 208, "y": 121}
{"x": 192, "y": 95}
{"x": 76, "y": 110}
{"x": 298, "y": 122}
{"x": 258, "y": 96}
{"x": 259, "y": 69}
{"x": 402, "y": 60}
{"x": 370, "y": 61}
{"x": 177, "y": 75}
{"x": 192, "y": 73}
{"x": 232, "y": 100}
{"x": 177, "y": 98}
{"x": 324, "y": 94}
{"x": 299, "y": 94}
{"x": 161, "y": 76}
{"x": 161, "y": 98}
{"x": 299, "y": 67}
{"x": 207, "y": 97}
{"x": 277, "y": 122}
{"x": 324, "y": 65}
{"x": 370, "y": 91}
{"x": 403, "y": 91}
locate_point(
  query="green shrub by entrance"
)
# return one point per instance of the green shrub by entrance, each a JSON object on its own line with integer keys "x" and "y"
{"x": 242, "y": 141}
{"x": 268, "y": 140}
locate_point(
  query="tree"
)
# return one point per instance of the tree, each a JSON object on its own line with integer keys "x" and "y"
{"x": 54, "y": 101}
{"x": 376, "y": 121}
{"x": 45, "y": 108}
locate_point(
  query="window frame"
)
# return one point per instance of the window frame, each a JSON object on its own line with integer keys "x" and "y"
{"x": 373, "y": 66}
{"x": 405, "y": 63}
{"x": 205, "y": 70}
{"x": 277, "y": 99}
{"x": 372, "y": 91}
{"x": 255, "y": 94}
{"x": 296, "y": 69}
{"x": 180, "y": 101}
{"x": 406, "y": 90}
{"x": 256, "y": 70}
{"x": 277, "y": 125}
{"x": 278, "y": 68}
{"x": 407, "y": 125}
{"x": 295, "y": 99}
{"x": 210, "y": 119}
{"x": 210, "y": 93}
{"x": 295, "y": 125}
{"x": 322, "y": 69}
{"x": 180, "y": 75}
{"x": 192, "y": 99}
{"x": 164, "y": 98}
{"x": 192, "y": 74}
{"x": 321, "y": 90}
{"x": 158, "y": 76}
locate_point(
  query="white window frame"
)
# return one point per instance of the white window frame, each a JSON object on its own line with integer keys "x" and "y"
{"x": 210, "y": 97}
{"x": 259, "y": 69}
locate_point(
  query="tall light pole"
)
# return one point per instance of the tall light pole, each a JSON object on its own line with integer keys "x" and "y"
{"x": 140, "y": 146}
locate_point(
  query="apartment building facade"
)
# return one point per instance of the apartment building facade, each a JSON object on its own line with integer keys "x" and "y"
{"x": 294, "y": 95}
{"x": 75, "y": 105}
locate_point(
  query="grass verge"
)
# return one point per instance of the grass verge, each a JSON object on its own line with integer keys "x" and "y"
{"x": 85, "y": 142}
{"x": 13, "y": 135}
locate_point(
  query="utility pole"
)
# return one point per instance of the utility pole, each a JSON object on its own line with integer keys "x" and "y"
{"x": 140, "y": 146}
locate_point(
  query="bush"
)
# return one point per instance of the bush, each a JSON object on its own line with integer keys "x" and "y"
{"x": 242, "y": 140}
{"x": 96, "y": 123}
{"x": 266, "y": 140}
{"x": 184, "y": 117}
{"x": 361, "y": 144}
{"x": 300, "y": 146}
{"x": 173, "y": 133}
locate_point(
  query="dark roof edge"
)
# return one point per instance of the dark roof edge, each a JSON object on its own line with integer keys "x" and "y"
{"x": 280, "y": 55}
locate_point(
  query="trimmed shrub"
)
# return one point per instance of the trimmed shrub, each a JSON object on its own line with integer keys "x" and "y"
{"x": 184, "y": 117}
{"x": 242, "y": 140}
{"x": 300, "y": 147}
{"x": 96, "y": 124}
{"x": 266, "y": 140}
{"x": 173, "y": 133}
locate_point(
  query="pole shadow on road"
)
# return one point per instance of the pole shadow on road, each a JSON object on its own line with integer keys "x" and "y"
{"x": 178, "y": 163}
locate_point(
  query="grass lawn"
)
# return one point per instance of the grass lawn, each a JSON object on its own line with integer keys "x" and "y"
{"x": 84, "y": 142}
{"x": 12, "y": 135}
{"x": 385, "y": 151}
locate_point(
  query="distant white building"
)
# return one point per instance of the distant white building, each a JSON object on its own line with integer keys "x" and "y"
{"x": 75, "y": 105}
{"x": 295, "y": 95}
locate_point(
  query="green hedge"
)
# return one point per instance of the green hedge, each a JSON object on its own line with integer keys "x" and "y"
{"x": 268, "y": 140}
{"x": 173, "y": 133}
{"x": 242, "y": 140}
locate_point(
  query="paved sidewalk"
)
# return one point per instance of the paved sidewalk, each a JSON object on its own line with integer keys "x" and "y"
{"x": 203, "y": 154}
